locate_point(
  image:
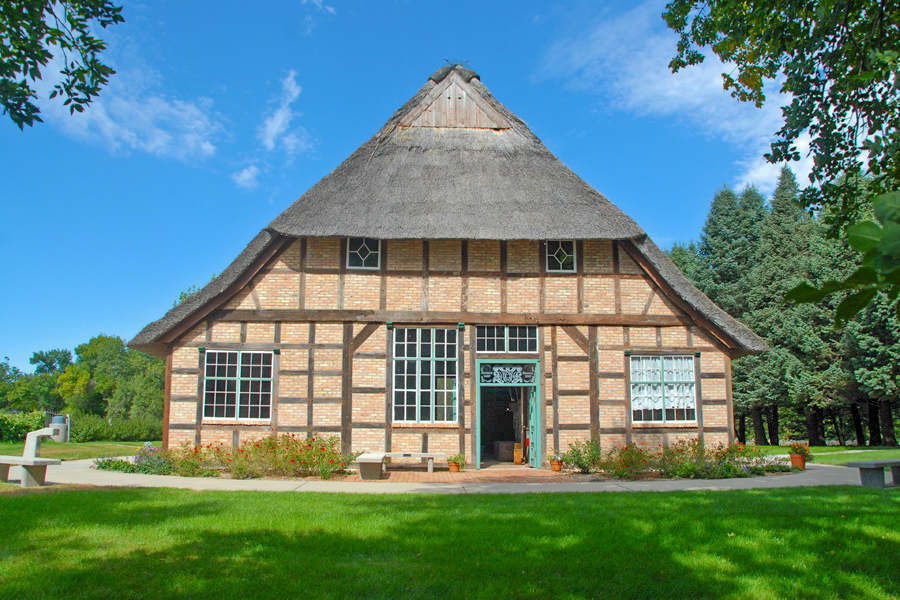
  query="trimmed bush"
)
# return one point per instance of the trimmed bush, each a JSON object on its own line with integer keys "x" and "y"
{"x": 93, "y": 428}
{"x": 138, "y": 429}
{"x": 15, "y": 426}
{"x": 89, "y": 428}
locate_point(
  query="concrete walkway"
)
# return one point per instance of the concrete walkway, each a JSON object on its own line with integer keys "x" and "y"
{"x": 79, "y": 472}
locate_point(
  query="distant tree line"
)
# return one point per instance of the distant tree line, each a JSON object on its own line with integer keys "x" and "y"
{"x": 104, "y": 378}
{"x": 818, "y": 382}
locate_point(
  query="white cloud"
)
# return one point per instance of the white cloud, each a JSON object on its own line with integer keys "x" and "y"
{"x": 274, "y": 132}
{"x": 320, "y": 5}
{"x": 626, "y": 57}
{"x": 247, "y": 178}
{"x": 133, "y": 113}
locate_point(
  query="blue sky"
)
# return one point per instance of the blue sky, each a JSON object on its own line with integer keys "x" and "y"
{"x": 219, "y": 117}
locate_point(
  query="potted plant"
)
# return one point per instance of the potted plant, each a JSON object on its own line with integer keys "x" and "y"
{"x": 456, "y": 462}
{"x": 800, "y": 454}
{"x": 556, "y": 460}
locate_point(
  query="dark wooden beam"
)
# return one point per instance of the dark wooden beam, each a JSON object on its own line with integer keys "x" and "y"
{"x": 594, "y": 368}
{"x": 445, "y": 317}
{"x": 577, "y": 337}
{"x": 346, "y": 390}
{"x": 363, "y": 335}
{"x": 167, "y": 395}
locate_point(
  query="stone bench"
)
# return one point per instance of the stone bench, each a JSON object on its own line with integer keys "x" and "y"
{"x": 371, "y": 464}
{"x": 871, "y": 472}
{"x": 34, "y": 469}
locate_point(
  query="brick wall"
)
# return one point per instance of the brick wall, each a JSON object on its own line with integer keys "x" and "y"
{"x": 320, "y": 271}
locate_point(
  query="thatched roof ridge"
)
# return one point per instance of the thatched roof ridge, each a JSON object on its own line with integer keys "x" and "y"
{"x": 454, "y": 183}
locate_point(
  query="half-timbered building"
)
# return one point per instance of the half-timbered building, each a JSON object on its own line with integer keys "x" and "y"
{"x": 450, "y": 287}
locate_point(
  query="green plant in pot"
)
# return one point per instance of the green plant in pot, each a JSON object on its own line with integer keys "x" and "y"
{"x": 556, "y": 460}
{"x": 456, "y": 462}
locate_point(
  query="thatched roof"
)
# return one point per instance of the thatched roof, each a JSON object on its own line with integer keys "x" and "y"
{"x": 496, "y": 181}
{"x": 454, "y": 183}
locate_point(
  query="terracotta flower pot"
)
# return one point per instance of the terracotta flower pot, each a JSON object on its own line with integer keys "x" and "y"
{"x": 799, "y": 461}
{"x": 556, "y": 465}
{"x": 454, "y": 467}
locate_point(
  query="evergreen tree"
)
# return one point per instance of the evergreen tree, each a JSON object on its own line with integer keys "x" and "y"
{"x": 873, "y": 354}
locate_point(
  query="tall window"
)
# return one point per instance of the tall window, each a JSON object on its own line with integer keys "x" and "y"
{"x": 238, "y": 385}
{"x": 425, "y": 377}
{"x": 503, "y": 338}
{"x": 561, "y": 256}
{"x": 363, "y": 253}
{"x": 663, "y": 388}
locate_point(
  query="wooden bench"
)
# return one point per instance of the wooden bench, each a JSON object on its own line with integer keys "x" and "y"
{"x": 371, "y": 464}
{"x": 34, "y": 469}
{"x": 871, "y": 472}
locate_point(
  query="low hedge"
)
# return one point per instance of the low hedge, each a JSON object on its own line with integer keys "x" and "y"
{"x": 93, "y": 428}
{"x": 15, "y": 426}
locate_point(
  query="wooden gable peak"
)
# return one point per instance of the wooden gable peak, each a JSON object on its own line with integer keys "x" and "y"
{"x": 454, "y": 102}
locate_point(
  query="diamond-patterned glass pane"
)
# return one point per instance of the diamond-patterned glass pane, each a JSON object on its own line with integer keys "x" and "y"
{"x": 560, "y": 256}
{"x": 363, "y": 253}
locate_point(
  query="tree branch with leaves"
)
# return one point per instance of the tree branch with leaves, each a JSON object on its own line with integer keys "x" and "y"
{"x": 839, "y": 62}
{"x": 32, "y": 33}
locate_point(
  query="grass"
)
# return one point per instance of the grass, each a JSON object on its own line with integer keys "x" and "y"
{"x": 73, "y": 450}
{"x": 161, "y": 543}
{"x": 844, "y": 458}
{"x": 819, "y": 450}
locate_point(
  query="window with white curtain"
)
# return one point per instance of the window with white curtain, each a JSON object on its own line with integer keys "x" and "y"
{"x": 663, "y": 389}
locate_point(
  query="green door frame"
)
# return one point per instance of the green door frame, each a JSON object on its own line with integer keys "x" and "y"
{"x": 537, "y": 444}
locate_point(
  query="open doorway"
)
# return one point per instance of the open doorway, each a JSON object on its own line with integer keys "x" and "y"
{"x": 503, "y": 423}
{"x": 508, "y": 415}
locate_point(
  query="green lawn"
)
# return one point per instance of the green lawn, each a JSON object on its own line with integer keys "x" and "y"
{"x": 163, "y": 543}
{"x": 844, "y": 457}
{"x": 848, "y": 451}
{"x": 73, "y": 450}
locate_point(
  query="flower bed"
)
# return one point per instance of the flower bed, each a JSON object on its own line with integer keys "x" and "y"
{"x": 683, "y": 460}
{"x": 272, "y": 456}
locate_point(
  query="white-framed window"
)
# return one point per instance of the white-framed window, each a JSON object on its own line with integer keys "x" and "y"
{"x": 561, "y": 256}
{"x": 663, "y": 389}
{"x": 514, "y": 339}
{"x": 425, "y": 375}
{"x": 363, "y": 253}
{"x": 238, "y": 385}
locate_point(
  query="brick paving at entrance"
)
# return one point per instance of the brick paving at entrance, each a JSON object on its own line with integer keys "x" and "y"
{"x": 492, "y": 475}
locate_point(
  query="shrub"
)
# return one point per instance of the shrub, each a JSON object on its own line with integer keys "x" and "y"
{"x": 583, "y": 455}
{"x": 114, "y": 463}
{"x": 152, "y": 461}
{"x": 630, "y": 462}
{"x": 89, "y": 428}
{"x": 148, "y": 460}
{"x": 15, "y": 426}
{"x": 138, "y": 429}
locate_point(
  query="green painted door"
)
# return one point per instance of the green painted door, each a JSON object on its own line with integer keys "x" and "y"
{"x": 534, "y": 431}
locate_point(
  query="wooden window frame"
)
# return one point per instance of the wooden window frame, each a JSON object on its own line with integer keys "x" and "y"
{"x": 505, "y": 338}
{"x": 575, "y": 257}
{"x": 377, "y": 253}
{"x": 238, "y": 379}
{"x": 662, "y": 383}
{"x": 399, "y": 337}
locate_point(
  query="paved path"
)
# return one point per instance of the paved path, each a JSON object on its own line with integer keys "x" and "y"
{"x": 469, "y": 482}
